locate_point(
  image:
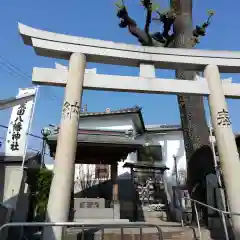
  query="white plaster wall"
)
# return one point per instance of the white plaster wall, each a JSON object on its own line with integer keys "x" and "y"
{"x": 132, "y": 157}
{"x": 119, "y": 122}
{"x": 174, "y": 147}
{"x": 172, "y": 144}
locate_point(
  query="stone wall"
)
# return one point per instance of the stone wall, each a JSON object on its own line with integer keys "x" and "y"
{"x": 91, "y": 208}
{"x": 128, "y": 197}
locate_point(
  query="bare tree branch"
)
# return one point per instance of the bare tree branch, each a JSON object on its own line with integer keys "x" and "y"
{"x": 147, "y": 25}
{"x": 158, "y": 39}
{"x": 148, "y": 6}
{"x": 127, "y": 21}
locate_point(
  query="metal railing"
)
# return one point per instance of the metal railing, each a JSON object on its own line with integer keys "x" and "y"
{"x": 222, "y": 214}
{"x": 87, "y": 226}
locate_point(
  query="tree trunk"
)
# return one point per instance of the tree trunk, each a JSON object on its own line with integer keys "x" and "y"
{"x": 195, "y": 129}
{"x": 192, "y": 113}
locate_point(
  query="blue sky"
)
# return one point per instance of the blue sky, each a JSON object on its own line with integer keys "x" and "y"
{"x": 97, "y": 19}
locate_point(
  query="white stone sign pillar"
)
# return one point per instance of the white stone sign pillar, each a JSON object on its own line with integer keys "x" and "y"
{"x": 60, "y": 192}
{"x": 228, "y": 154}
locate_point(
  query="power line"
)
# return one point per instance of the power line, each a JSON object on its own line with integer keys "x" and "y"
{"x": 17, "y": 72}
{"x": 33, "y": 149}
{"x": 30, "y": 134}
{"x": 15, "y": 67}
{"x": 10, "y": 71}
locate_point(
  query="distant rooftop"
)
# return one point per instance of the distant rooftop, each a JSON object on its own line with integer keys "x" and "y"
{"x": 136, "y": 109}
{"x": 32, "y": 159}
{"x": 163, "y": 127}
{"x": 108, "y": 111}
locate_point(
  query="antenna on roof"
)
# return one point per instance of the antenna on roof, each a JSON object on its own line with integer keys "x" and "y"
{"x": 85, "y": 108}
{"x": 108, "y": 110}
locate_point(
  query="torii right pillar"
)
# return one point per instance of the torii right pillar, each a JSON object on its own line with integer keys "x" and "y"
{"x": 227, "y": 149}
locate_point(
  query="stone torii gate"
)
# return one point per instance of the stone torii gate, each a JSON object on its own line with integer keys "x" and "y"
{"x": 80, "y": 50}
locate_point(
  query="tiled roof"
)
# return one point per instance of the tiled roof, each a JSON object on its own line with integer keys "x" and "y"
{"x": 120, "y": 111}
{"x": 103, "y": 139}
{"x": 148, "y": 165}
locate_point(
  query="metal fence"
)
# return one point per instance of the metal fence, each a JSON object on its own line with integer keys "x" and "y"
{"x": 87, "y": 226}
{"x": 223, "y": 215}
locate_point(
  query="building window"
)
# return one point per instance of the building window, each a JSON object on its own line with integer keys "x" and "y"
{"x": 151, "y": 154}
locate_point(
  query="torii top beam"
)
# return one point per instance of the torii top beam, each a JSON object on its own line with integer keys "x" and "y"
{"x": 61, "y": 46}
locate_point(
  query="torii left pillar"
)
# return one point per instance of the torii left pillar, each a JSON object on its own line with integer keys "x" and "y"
{"x": 64, "y": 167}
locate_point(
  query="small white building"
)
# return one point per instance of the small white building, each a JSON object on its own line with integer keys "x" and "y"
{"x": 130, "y": 122}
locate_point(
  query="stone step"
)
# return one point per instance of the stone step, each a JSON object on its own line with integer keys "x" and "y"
{"x": 169, "y": 233}
{"x": 131, "y": 234}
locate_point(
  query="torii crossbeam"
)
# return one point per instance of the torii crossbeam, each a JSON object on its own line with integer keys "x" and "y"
{"x": 62, "y": 46}
{"x": 94, "y": 81}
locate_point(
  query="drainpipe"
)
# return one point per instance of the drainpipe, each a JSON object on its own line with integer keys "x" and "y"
{"x": 178, "y": 189}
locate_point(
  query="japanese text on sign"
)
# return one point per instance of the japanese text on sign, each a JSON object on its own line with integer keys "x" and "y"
{"x": 223, "y": 118}
{"x": 17, "y": 127}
